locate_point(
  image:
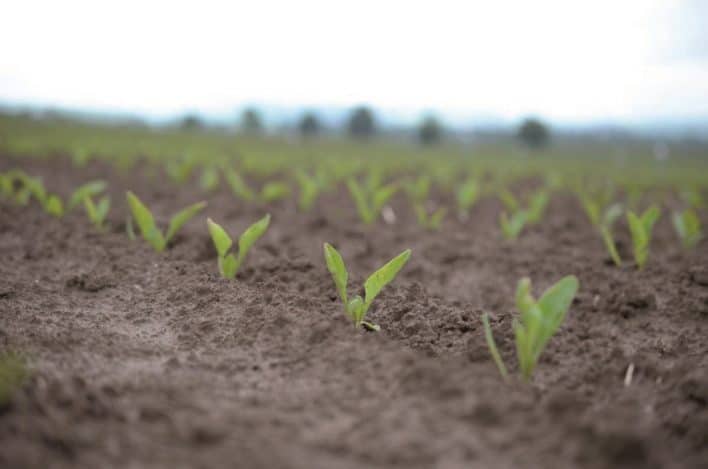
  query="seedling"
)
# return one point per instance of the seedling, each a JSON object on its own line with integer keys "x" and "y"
{"x": 417, "y": 190}
{"x": 612, "y": 213}
{"x": 357, "y": 307}
{"x": 370, "y": 202}
{"x": 149, "y": 230}
{"x": 270, "y": 191}
{"x": 228, "y": 263}
{"x": 466, "y": 196}
{"x": 537, "y": 206}
{"x": 512, "y": 226}
{"x": 309, "y": 189}
{"x": 180, "y": 169}
{"x": 430, "y": 221}
{"x": 209, "y": 179}
{"x": 640, "y": 228}
{"x": 238, "y": 185}
{"x": 13, "y": 373}
{"x": 688, "y": 227}
{"x": 97, "y": 212}
{"x": 90, "y": 189}
{"x": 538, "y": 321}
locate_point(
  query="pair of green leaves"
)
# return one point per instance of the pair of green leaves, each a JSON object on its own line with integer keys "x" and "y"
{"x": 309, "y": 189}
{"x": 270, "y": 192}
{"x": 538, "y": 321}
{"x": 466, "y": 195}
{"x": 688, "y": 227}
{"x": 640, "y": 227}
{"x": 369, "y": 202}
{"x": 149, "y": 230}
{"x": 429, "y": 220}
{"x": 97, "y": 212}
{"x": 417, "y": 190}
{"x": 512, "y": 225}
{"x": 229, "y": 263}
{"x": 357, "y": 307}
{"x": 612, "y": 213}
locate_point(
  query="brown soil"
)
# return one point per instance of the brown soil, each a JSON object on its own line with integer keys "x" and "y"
{"x": 141, "y": 359}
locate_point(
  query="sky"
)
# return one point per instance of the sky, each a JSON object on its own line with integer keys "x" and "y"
{"x": 567, "y": 61}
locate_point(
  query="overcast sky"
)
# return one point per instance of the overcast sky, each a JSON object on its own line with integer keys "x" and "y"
{"x": 573, "y": 61}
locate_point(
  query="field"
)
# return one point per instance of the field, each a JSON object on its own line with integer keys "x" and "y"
{"x": 131, "y": 357}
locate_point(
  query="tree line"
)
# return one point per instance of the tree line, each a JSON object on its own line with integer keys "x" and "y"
{"x": 361, "y": 124}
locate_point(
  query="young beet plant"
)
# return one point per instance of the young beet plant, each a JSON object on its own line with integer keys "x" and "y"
{"x": 688, "y": 227}
{"x": 97, "y": 212}
{"x": 537, "y": 323}
{"x": 611, "y": 215}
{"x": 149, "y": 230}
{"x": 369, "y": 202}
{"x": 357, "y": 307}
{"x": 640, "y": 227}
{"x": 229, "y": 263}
{"x": 512, "y": 225}
{"x": 466, "y": 195}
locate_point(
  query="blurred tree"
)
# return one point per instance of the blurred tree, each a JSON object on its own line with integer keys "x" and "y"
{"x": 309, "y": 125}
{"x": 361, "y": 123}
{"x": 430, "y": 131}
{"x": 251, "y": 121}
{"x": 191, "y": 122}
{"x": 533, "y": 132}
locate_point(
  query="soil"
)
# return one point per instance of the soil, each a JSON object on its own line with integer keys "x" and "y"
{"x": 141, "y": 359}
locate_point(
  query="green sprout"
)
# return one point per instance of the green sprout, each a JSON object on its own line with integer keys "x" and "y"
{"x": 270, "y": 192}
{"x": 89, "y": 189}
{"x": 309, "y": 189}
{"x": 431, "y": 221}
{"x": 417, "y": 190}
{"x": 209, "y": 179}
{"x": 370, "y": 201}
{"x": 688, "y": 227}
{"x": 357, "y": 307}
{"x": 537, "y": 323}
{"x": 275, "y": 190}
{"x": 13, "y": 373}
{"x": 238, "y": 185}
{"x": 149, "y": 230}
{"x": 466, "y": 195}
{"x": 512, "y": 226}
{"x": 97, "y": 212}
{"x": 180, "y": 169}
{"x": 612, "y": 213}
{"x": 228, "y": 263}
{"x": 538, "y": 202}
{"x": 640, "y": 228}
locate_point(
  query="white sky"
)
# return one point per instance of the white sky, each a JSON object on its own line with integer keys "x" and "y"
{"x": 563, "y": 60}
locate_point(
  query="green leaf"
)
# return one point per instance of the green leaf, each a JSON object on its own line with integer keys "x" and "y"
{"x": 54, "y": 206}
{"x": 610, "y": 245}
{"x": 335, "y": 265}
{"x": 612, "y": 213}
{"x": 509, "y": 200}
{"x": 273, "y": 191}
{"x": 537, "y": 206}
{"x": 209, "y": 179}
{"x": 228, "y": 266}
{"x": 381, "y": 196}
{"x": 356, "y": 310}
{"x": 238, "y": 185}
{"x": 89, "y": 189}
{"x": 467, "y": 194}
{"x": 182, "y": 217}
{"x": 146, "y": 223}
{"x": 360, "y": 200}
{"x": 383, "y": 276}
{"x": 249, "y": 237}
{"x": 222, "y": 241}
{"x": 556, "y": 300}
{"x": 492, "y": 345}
